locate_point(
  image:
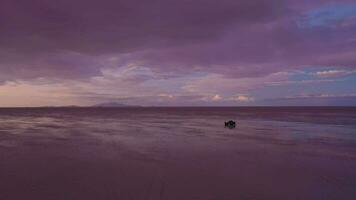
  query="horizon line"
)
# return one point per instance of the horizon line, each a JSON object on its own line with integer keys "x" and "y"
{"x": 177, "y": 106}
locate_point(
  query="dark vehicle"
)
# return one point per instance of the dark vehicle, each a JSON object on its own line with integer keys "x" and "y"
{"x": 230, "y": 124}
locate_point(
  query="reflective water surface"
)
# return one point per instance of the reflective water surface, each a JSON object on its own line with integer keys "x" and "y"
{"x": 177, "y": 153}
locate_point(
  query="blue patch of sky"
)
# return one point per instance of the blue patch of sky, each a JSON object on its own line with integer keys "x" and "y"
{"x": 309, "y": 73}
{"x": 326, "y": 15}
{"x": 305, "y": 82}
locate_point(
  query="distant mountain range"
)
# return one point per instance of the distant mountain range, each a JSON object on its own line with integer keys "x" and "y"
{"x": 113, "y": 105}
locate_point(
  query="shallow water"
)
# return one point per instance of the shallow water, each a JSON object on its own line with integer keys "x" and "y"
{"x": 177, "y": 153}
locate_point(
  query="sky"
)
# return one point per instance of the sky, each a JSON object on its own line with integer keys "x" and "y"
{"x": 178, "y": 52}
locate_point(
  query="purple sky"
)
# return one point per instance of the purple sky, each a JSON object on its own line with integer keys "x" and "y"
{"x": 178, "y": 52}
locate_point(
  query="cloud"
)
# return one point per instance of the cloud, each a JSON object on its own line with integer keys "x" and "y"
{"x": 298, "y": 82}
{"x": 216, "y": 98}
{"x": 175, "y": 51}
{"x": 333, "y": 73}
{"x": 59, "y": 65}
{"x": 243, "y": 38}
{"x": 210, "y": 84}
{"x": 242, "y": 98}
{"x": 42, "y": 37}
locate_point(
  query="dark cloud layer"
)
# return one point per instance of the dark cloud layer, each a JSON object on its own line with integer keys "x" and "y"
{"x": 97, "y": 27}
{"x": 239, "y": 38}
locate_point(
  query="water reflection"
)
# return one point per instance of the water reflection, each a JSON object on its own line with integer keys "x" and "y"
{"x": 176, "y": 154}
